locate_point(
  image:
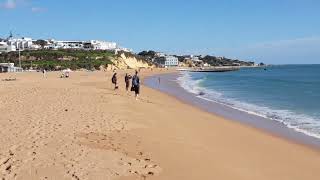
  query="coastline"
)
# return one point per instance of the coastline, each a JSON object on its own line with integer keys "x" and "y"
{"x": 171, "y": 87}
{"x": 80, "y": 128}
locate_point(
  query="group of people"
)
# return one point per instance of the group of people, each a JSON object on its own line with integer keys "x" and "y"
{"x": 135, "y": 85}
{"x": 65, "y": 74}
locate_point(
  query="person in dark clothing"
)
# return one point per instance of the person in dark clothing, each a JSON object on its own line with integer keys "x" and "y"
{"x": 136, "y": 84}
{"x": 127, "y": 81}
{"x": 114, "y": 80}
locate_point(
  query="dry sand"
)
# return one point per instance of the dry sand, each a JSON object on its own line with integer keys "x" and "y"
{"x": 80, "y": 128}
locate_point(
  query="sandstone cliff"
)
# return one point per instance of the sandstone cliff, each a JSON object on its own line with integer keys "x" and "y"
{"x": 131, "y": 62}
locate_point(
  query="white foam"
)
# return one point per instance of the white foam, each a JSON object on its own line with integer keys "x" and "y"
{"x": 193, "y": 86}
{"x": 299, "y": 122}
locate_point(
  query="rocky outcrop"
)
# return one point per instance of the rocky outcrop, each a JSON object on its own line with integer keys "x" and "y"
{"x": 131, "y": 62}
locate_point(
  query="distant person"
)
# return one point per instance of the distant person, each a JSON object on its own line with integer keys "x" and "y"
{"x": 44, "y": 72}
{"x": 114, "y": 80}
{"x": 127, "y": 81}
{"x": 159, "y": 80}
{"x": 136, "y": 85}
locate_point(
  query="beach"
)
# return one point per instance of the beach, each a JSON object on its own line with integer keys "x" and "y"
{"x": 80, "y": 128}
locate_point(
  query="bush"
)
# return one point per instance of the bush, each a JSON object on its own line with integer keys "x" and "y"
{"x": 54, "y": 59}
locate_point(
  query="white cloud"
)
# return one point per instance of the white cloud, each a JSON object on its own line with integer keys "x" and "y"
{"x": 9, "y": 4}
{"x": 13, "y": 4}
{"x": 38, "y": 9}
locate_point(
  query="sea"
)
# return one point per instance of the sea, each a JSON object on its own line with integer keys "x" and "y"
{"x": 289, "y": 94}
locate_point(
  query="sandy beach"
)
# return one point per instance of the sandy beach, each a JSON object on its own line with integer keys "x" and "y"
{"x": 80, "y": 128}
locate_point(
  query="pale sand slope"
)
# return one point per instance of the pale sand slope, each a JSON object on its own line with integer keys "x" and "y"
{"x": 79, "y": 128}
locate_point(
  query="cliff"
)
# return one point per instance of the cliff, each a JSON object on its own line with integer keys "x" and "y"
{"x": 124, "y": 61}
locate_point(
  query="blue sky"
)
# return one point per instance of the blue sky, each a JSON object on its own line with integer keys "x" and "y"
{"x": 272, "y": 31}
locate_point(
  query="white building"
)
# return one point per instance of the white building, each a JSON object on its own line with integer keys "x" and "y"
{"x": 160, "y": 54}
{"x": 4, "y": 47}
{"x": 171, "y": 61}
{"x": 167, "y": 61}
{"x": 206, "y": 65}
{"x": 90, "y": 45}
{"x": 35, "y": 46}
{"x": 65, "y": 44}
{"x": 192, "y": 58}
{"x": 9, "y": 67}
{"x": 29, "y": 44}
{"x": 196, "y": 59}
{"x": 102, "y": 45}
{"x": 123, "y": 49}
{"x": 21, "y": 43}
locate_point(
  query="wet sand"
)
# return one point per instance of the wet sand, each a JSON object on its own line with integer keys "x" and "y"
{"x": 80, "y": 128}
{"x": 170, "y": 86}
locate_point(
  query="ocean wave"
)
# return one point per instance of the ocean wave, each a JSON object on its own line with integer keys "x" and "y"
{"x": 193, "y": 86}
{"x": 299, "y": 122}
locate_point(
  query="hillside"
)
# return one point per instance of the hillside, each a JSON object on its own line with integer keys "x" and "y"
{"x": 211, "y": 60}
{"x": 74, "y": 59}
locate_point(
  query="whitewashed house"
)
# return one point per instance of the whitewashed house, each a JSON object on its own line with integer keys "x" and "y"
{"x": 20, "y": 43}
{"x": 102, "y": 45}
{"x": 167, "y": 61}
{"x": 4, "y": 47}
{"x": 9, "y": 67}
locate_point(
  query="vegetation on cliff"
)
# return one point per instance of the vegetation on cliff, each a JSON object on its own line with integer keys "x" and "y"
{"x": 211, "y": 60}
{"x": 222, "y": 61}
{"x": 59, "y": 59}
{"x": 148, "y": 55}
{"x": 94, "y": 59}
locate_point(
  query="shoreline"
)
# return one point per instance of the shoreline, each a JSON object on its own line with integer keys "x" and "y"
{"x": 171, "y": 87}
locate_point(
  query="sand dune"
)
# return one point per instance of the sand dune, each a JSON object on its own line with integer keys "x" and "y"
{"x": 80, "y": 128}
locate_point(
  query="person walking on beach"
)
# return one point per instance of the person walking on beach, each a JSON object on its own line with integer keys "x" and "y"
{"x": 136, "y": 85}
{"x": 114, "y": 80}
{"x": 44, "y": 73}
{"x": 127, "y": 81}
